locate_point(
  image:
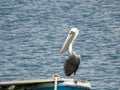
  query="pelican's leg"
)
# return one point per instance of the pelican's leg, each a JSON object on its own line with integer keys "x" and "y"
{"x": 74, "y": 79}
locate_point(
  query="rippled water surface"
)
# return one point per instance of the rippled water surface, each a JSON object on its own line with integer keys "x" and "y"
{"x": 33, "y": 31}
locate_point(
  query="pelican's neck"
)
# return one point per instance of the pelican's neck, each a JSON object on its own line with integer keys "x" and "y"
{"x": 70, "y": 50}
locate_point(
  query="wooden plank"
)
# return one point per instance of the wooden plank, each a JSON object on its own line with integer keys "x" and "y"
{"x": 27, "y": 82}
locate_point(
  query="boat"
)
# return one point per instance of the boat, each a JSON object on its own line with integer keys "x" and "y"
{"x": 53, "y": 83}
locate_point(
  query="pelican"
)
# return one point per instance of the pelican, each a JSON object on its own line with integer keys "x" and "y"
{"x": 72, "y": 61}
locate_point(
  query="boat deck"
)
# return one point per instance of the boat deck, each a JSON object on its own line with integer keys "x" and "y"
{"x": 40, "y": 83}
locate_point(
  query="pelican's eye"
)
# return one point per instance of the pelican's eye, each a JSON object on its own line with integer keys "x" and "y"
{"x": 71, "y": 32}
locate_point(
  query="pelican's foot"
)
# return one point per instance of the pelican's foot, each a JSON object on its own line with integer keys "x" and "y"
{"x": 75, "y": 80}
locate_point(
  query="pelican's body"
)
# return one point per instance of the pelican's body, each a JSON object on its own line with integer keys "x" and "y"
{"x": 72, "y": 61}
{"x": 71, "y": 64}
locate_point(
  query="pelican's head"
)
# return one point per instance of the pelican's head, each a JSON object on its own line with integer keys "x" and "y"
{"x": 67, "y": 46}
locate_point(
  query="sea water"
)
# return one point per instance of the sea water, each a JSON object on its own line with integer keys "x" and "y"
{"x": 33, "y": 31}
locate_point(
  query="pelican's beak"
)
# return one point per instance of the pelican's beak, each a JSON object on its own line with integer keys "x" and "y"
{"x": 67, "y": 42}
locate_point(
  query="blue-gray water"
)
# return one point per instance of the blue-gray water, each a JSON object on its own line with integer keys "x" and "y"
{"x": 33, "y": 31}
